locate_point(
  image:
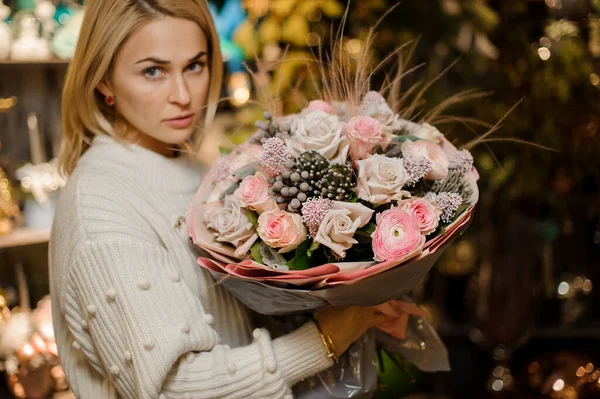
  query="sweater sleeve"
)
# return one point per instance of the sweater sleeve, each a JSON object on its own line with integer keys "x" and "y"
{"x": 138, "y": 324}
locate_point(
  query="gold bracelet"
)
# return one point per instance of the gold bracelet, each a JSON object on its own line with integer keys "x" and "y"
{"x": 329, "y": 347}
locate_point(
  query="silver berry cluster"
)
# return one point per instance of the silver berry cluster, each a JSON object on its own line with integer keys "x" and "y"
{"x": 270, "y": 128}
{"x": 297, "y": 184}
{"x": 337, "y": 184}
{"x": 312, "y": 176}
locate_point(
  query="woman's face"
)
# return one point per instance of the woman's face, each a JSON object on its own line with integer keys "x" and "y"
{"x": 160, "y": 81}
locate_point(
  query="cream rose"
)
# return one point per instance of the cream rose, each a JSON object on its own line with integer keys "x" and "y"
{"x": 340, "y": 224}
{"x": 254, "y": 194}
{"x": 320, "y": 132}
{"x": 245, "y": 155}
{"x": 280, "y": 229}
{"x": 397, "y": 235}
{"x": 381, "y": 179}
{"x": 364, "y": 134}
{"x": 341, "y": 109}
{"x": 428, "y": 132}
{"x": 409, "y": 127}
{"x": 375, "y": 106}
{"x": 432, "y": 152}
{"x": 425, "y": 214}
{"x": 230, "y": 224}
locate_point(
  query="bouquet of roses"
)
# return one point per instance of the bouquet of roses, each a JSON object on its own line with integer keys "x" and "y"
{"x": 338, "y": 196}
{"x": 341, "y": 204}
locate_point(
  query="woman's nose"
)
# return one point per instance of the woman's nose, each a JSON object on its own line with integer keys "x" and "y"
{"x": 180, "y": 94}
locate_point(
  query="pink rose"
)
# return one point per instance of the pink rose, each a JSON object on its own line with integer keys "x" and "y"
{"x": 397, "y": 235}
{"x": 425, "y": 214}
{"x": 431, "y": 151}
{"x": 319, "y": 105}
{"x": 280, "y": 229}
{"x": 254, "y": 194}
{"x": 365, "y": 134}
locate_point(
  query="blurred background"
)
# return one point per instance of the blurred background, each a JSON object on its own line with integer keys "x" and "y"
{"x": 515, "y": 299}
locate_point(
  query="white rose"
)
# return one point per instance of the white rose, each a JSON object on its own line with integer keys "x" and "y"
{"x": 430, "y": 133}
{"x": 375, "y": 106}
{"x": 247, "y": 154}
{"x": 230, "y": 224}
{"x": 381, "y": 179}
{"x": 320, "y": 132}
{"x": 342, "y": 110}
{"x": 411, "y": 128}
{"x": 423, "y": 131}
{"x": 219, "y": 188}
{"x": 432, "y": 152}
{"x": 340, "y": 224}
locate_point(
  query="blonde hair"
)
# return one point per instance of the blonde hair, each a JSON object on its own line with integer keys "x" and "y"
{"x": 106, "y": 26}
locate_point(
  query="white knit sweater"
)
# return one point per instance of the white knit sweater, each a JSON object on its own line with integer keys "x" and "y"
{"x": 134, "y": 315}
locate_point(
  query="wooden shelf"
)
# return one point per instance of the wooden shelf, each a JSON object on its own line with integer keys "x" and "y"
{"x": 23, "y": 236}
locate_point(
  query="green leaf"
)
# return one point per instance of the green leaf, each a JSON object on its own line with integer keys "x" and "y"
{"x": 369, "y": 228}
{"x": 255, "y": 251}
{"x": 229, "y": 191}
{"x": 460, "y": 210}
{"x": 224, "y": 151}
{"x": 403, "y": 138}
{"x": 363, "y": 235}
{"x": 244, "y": 172}
{"x": 301, "y": 261}
{"x": 253, "y": 216}
{"x": 315, "y": 245}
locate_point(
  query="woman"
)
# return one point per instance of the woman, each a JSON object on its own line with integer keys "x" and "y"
{"x": 134, "y": 315}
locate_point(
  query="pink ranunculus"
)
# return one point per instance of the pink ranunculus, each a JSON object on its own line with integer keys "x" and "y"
{"x": 281, "y": 229}
{"x": 319, "y": 105}
{"x": 365, "y": 134}
{"x": 397, "y": 235}
{"x": 254, "y": 194}
{"x": 423, "y": 212}
{"x": 431, "y": 151}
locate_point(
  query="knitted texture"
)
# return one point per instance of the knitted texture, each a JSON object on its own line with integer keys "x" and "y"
{"x": 134, "y": 315}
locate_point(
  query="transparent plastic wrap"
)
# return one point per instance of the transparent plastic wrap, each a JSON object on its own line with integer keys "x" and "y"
{"x": 355, "y": 376}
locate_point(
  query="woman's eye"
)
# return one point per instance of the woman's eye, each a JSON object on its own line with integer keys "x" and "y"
{"x": 152, "y": 72}
{"x": 195, "y": 67}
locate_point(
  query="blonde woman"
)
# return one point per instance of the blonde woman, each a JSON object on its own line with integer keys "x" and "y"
{"x": 134, "y": 315}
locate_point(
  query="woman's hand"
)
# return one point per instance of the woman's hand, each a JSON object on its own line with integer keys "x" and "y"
{"x": 346, "y": 325}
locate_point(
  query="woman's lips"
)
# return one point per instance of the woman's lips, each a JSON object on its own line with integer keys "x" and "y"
{"x": 180, "y": 123}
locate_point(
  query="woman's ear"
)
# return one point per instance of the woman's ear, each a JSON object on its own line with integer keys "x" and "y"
{"x": 106, "y": 89}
